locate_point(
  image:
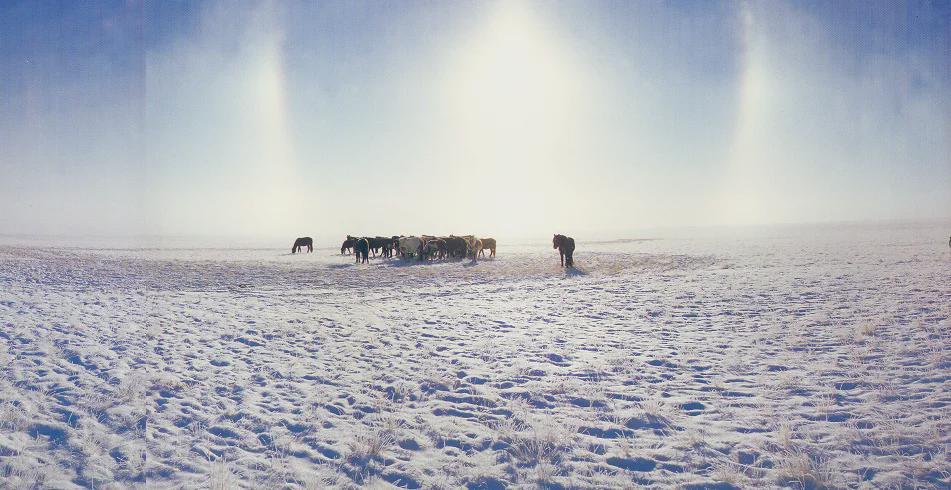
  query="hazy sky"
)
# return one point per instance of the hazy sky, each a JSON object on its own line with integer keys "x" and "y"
{"x": 503, "y": 118}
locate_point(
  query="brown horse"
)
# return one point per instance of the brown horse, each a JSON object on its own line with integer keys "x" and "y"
{"x": 303, "y": 242}
{"x": 435, "y": 248}
{"x": 347, "y": 245}
{"x": 488, "y": 243}
{"x": 566, "y": 247}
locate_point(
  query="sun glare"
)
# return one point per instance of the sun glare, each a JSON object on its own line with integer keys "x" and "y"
{"x": 270, "y": 182}
{"x": 743, "y": 198}
{"x": 514, "y": 96}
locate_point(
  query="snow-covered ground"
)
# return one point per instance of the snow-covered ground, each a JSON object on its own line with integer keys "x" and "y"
{"x": 781, "y": 357}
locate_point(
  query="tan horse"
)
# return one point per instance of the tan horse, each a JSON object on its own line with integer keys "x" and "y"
{"x": 470, "y": 243}
{"x": 488, "y": 243}
{"x": 476, "y": 248}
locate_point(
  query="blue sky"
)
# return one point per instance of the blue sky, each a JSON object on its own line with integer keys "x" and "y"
{"x": 504, "y": 118}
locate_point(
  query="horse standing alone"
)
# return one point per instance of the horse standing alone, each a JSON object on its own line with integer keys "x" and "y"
{"x": 566, "y": 247}
{"x": 303, "y": 242}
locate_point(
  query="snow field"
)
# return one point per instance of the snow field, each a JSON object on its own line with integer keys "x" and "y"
{"x": 768, "y": 362}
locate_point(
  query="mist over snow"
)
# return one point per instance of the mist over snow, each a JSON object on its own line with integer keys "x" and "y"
{"x": 277, "y": 119}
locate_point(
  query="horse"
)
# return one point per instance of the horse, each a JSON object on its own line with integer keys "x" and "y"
{"x": 471, "y": 244}
{"x": 395, "y": 245}
{"x": 435, "y": 248}
{"x": 303, "y": 242}
{"x": 488, "y": 243}
{"x": 347, "y": 245}
{"x": 390, "y": 246}
{"x": 443, "y": 250}
{"x": 377, "y": 243}
{"x": 456, "y": 247}
{"x": 566, "y": 247}
{"x": 476, "y": 249}
{"x": 411, "y": 246}
{"x": 361, "y": 248}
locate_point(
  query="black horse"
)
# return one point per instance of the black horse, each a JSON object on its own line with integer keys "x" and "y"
{"x": 456, "y": 247}
{"x": 361, "y": 248}
{"x": 394, "y": 245}
{"x": 377, "y": 244}
{"x": 566, "y": 247}
{"x": 303, "y": 242}
{"x": 388, "y": 244}
{"x": 347, "y": 246}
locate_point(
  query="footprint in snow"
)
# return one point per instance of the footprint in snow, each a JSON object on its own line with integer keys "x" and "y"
{"x": 633, "y": 464}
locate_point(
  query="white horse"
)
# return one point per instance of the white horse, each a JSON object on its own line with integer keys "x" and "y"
{"x": 410, "y": 245}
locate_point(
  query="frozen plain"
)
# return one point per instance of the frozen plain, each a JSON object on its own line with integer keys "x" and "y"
{"x": 785, "y": 357}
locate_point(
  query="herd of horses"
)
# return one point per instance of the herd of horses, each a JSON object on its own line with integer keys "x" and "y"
{"x": 423, "y": 247}
{"x": 429, "y": 247}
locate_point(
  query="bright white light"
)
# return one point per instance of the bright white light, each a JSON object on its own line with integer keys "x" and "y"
{"x": 745, "y": 194}
{"x": 514, "y": 96}
{"x": 513, "y": 77}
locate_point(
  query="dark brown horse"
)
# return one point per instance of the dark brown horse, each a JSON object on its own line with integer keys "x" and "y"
{"x": 456, "y": 246}
{"x": 347, "y": 246}
{"x": 303, "y": 242}
{"x": 361, "y": 248}
{"x": 566, "y": 247}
